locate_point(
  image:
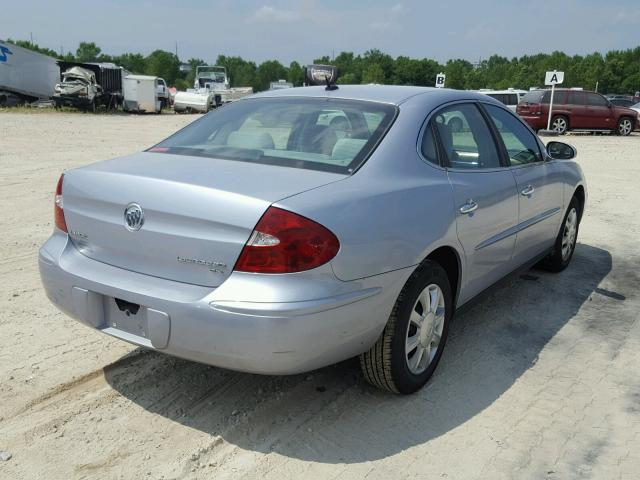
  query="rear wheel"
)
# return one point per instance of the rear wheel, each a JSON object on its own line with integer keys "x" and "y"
{"x": 409, "y": 349}
{"x": 625, "y": 126}
{"x": 560, "y": 124}
{"x": 565, "y": 245}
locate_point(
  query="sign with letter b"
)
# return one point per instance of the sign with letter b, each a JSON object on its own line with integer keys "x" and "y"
{"x": 440, "y": 80}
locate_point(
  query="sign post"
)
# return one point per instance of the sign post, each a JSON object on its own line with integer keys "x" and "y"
{"x": 440, "y": 78}
{"x": 552, "y": 78}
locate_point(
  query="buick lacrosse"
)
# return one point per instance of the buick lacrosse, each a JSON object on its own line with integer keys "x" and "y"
{"x": 301, "y": 227}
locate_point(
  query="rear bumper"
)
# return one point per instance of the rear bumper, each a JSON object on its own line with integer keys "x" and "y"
{"x": 536, "y": 122}
{"x": 312, "y": 320}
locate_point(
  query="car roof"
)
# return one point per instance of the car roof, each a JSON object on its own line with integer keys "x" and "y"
{"x": 487, "y": 91}
{"x": 392, "y": 94}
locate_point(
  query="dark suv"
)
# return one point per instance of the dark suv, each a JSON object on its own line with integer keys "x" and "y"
{"x": 575, "y": 110}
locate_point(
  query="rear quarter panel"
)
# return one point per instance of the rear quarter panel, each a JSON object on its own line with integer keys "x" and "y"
{"x": 392, "y": 212}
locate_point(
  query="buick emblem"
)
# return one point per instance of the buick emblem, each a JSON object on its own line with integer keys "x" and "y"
{"x": 133, "y": 217}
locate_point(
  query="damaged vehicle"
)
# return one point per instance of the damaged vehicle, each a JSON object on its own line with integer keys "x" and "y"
{"x": 89, "y": 85}
{"x": 78, "y": 89}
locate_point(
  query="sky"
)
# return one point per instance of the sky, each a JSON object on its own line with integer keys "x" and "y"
{"x": 306, "y": 29}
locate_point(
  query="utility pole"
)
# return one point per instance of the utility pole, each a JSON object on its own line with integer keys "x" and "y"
{"x": 31, "y": 36}
{"x": 176, "y": 49}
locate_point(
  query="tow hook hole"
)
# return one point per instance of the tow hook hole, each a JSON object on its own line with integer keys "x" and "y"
{"x": 127, "y": 307}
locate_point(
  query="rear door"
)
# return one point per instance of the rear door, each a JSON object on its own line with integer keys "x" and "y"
{"x": 539, "y": 185}
{"x": 577, "y": 109}
{"x": 485, "y": 195}
{"x": 598, "y": 112}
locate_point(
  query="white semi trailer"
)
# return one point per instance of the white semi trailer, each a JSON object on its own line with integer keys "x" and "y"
{"x": 25, "y": 75}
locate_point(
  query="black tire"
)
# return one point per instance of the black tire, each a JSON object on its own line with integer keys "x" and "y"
{"x": 625, "y": 126}
{"x": 560, "y": 124}
{"x": 556, "y": 261}
{"x": 385, "y": 365}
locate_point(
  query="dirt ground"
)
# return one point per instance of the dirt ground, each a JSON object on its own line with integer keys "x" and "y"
{"x": 540, "y": 380}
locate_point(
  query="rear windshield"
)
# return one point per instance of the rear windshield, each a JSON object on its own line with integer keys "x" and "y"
{"x": 311, "y": 133}
{"x": 534, "y": 96}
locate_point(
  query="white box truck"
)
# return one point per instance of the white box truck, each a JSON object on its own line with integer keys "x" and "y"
{"x": 25, "y": 76}
{"x": 141, "y": 94}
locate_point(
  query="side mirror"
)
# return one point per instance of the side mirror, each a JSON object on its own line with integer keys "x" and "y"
{"x": 561, "y": 151}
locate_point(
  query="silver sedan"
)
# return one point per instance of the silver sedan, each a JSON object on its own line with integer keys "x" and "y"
{"x": 301, "y": 227}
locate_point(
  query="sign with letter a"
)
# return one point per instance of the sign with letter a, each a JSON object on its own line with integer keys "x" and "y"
{"x": 554, "y": 78}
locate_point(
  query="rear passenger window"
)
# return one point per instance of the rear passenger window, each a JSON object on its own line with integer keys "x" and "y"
{"x": 520, "y": 143}
{"x": 559, "y": 97}
{"x": 466, "y": 138}
{"x": 576, "y": 98}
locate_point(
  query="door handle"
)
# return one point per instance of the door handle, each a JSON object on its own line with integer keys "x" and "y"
{"x": 468, "y": 207}
{"x": 528, "y": 190}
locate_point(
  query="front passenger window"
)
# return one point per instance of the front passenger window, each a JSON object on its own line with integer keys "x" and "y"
{"x": 466, "y": 138}
{"x": 519, "y": 142}
{"x": 595, "y": 100}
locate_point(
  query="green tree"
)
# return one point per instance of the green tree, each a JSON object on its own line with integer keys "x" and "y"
{"x": 295, "y": 74}
{"x": 376, "y": 57}
{"x": 617, "y": 71}
{"x": 373, "y": 74}
{"x": 457, "y": 72}
{"x": 87, "y": 52}
{"x": 241, "y": 72}
{"x": 133, "y": 62}
{"x": 269, "y": 71}
{"x": 163, "y": 64}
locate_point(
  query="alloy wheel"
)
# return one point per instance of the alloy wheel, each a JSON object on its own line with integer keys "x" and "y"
{"x": 424, "y": 330}
{"x": 569, "y": 233}
{"x": 559, "y": 125}
{"x": 625, "y": 127}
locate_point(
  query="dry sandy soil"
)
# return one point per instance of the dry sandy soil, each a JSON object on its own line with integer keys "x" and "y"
{"x": 540, "y": 380}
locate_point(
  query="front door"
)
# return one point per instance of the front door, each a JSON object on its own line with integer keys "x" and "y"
{"x": 598, "y": 112}
{"x": 485, "y": 195}
{"x": 539, "y": 184}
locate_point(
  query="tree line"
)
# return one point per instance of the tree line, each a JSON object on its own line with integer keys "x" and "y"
{"x": 617, "y": 71}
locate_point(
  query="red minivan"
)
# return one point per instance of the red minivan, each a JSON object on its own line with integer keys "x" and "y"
{"x": 575, "y": 110}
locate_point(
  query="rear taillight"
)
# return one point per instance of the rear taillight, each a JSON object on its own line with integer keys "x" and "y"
{"x": 530, "y": 108}
{"x": 284, "y": 242}
{"x": 58, "y": 209}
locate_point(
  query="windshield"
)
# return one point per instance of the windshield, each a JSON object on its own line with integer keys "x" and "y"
{"x": 310, "y": 133}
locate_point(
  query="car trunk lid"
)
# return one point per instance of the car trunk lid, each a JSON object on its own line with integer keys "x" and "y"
{"x": 197, "y": 212}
